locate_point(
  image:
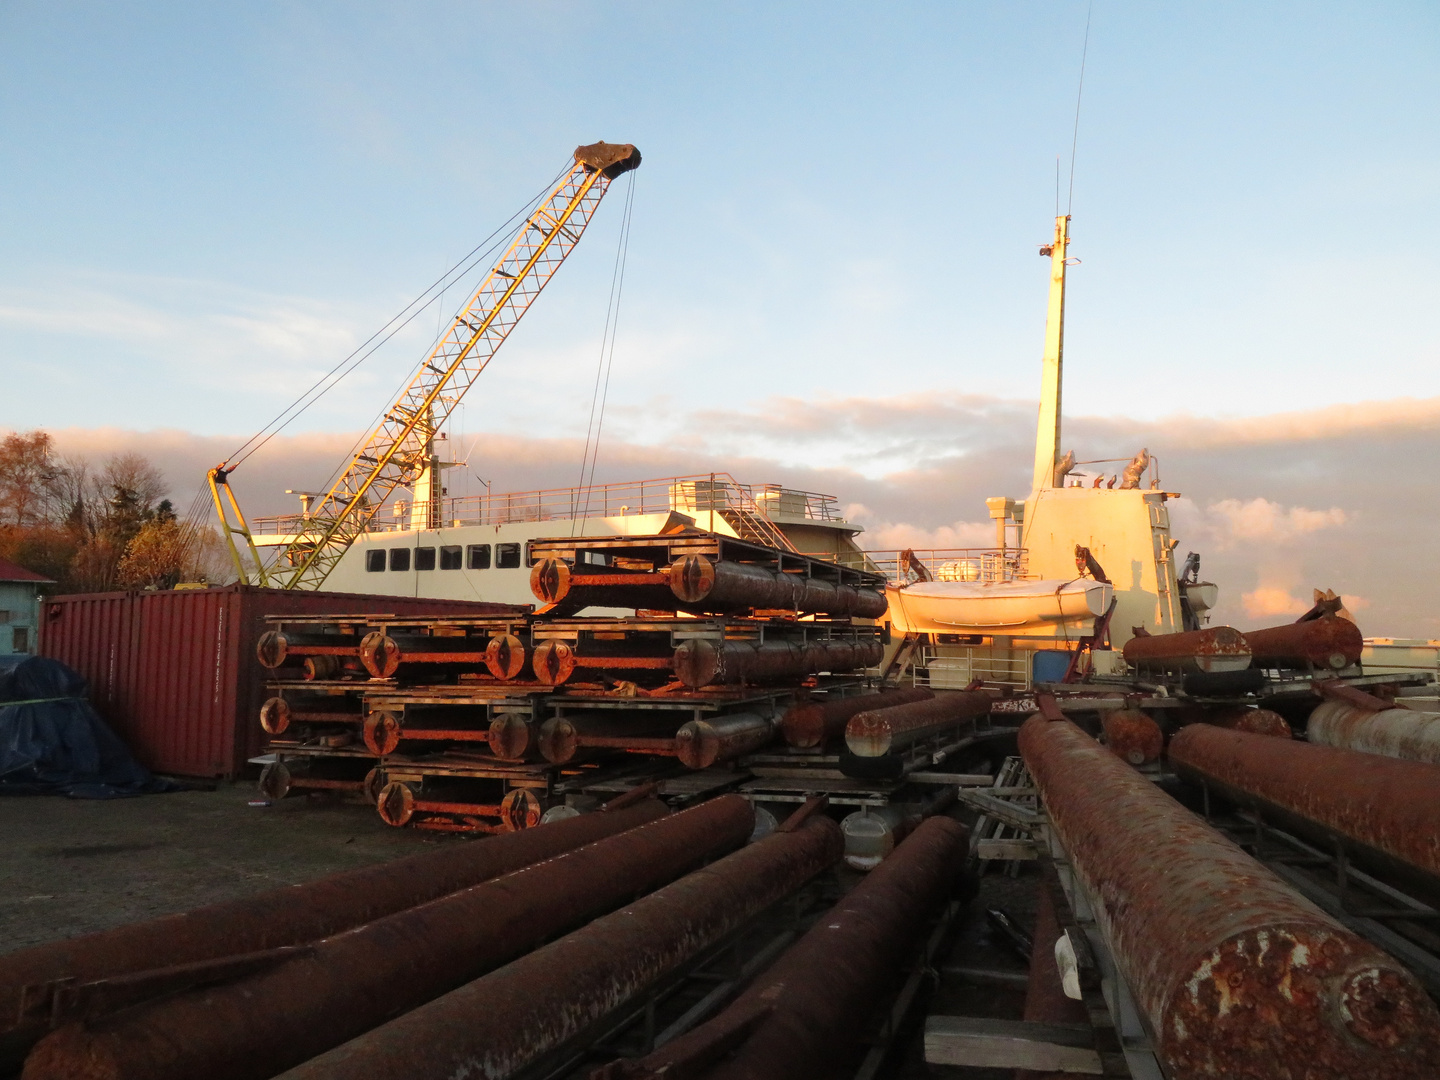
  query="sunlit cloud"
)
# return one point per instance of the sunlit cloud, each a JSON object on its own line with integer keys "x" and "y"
{"x": 1261, "y": 520}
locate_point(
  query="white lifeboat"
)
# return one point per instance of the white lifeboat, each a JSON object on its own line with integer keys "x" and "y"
{"x": 997, "y": 607}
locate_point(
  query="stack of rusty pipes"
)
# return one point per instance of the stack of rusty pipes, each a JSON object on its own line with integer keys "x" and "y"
{"x": 1328, "y": 643}
{"x": 501, "y": 1023}
{"x": 129, "y": 963}
{"x": 342, "y": 986}
{"x": 1233, "y": 973}
{"x": 701, "y": 585}
{"x": 803, "y": 1019}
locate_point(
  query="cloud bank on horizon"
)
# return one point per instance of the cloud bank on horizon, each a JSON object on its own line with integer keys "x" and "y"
{"x": 1340, "y": 497}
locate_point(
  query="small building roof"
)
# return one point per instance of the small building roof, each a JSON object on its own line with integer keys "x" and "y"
{"x": 10, "y": 572}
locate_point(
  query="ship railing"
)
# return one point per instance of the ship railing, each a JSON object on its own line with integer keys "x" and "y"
{"x": 702, "y": 497}
{"x": 989, "y": 565}
{"x": 954, "y": 667}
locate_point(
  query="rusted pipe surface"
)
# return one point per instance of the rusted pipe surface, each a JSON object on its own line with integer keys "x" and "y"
{"x": 816, "y": 723}
{"x": 1244, "y": 718}
{"x": 1132, "y": 736}
{"x": 258, "y": 1026}
{"x": 380, "y": 654}
{"x": 701, "y": 743}
{"x": 505, "y": 656}
{"x": 290, "y": 915}
{"x": 702, "y": 662}
{"x": 877, "y": 731}
{"x": 1235, "y": 974}
{"x": 498, "y": 1024}
{"x": 727, "y": 586}
{"x": 1216, "y": 648}
{"x": 1327, "y": 642}
{"x": 823, "y": 990}
{"x": 1397, "y": 733}
{"x": 562, "y": 737}
{"x": 1045, "y": 1000}
{"x": 1387, "y": 804}
{"x": 550, "y": 580}
{"x": 553, "y": 662}
{"x": 514, "y": 737}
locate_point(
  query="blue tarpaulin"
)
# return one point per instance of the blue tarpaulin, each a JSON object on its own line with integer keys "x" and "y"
{"x": 52, "y": 742}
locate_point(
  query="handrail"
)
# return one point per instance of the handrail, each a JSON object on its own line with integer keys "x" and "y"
{"x": 696, "y": 496}
{"x": 951, "y": 564}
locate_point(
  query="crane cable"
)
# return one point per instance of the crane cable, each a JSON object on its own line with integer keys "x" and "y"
{"x": 601, "y": 393}
{"x": 391, "y": 327}
{"x": 191, "y": 524}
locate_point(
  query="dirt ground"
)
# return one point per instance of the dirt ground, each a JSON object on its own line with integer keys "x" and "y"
{"x": 71, "y": 866}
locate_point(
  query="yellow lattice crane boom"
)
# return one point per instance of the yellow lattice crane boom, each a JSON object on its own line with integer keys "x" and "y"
{"x": 399, "y": 452}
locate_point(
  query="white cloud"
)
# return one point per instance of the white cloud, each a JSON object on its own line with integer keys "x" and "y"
{"x": 1231, "y": 521}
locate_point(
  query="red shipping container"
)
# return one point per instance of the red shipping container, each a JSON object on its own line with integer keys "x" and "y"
{"x": 175, "y": 673}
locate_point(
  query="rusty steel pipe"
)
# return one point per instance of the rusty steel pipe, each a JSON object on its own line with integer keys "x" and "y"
{"x": 1235, "y": 974}
{"x": 255, "y": 1027}
{"x": 1397, "y": 733}
{"x": 1385, "y": 804}
{"x": 514, "y": 737}
{"x": 817, "y": 723}
{"x": 1241, "y": 718}
{"x": 822, "y": 992}
{"x": 1327, "y": 642}
{"x": 290, "y": 915}
{"x": 1132, "y": 736}
{"x": 727, "y": 586}
{"x": 701, "y": 743}
{"x": 702, "y": 662}
{"x": 498, "y": 1024}
{"x": 553, "y": 662}
{"x": 875, "y": 732}
{"x": 276, "y": 715}
{"x": 563, "y": 737}
{"x": 1214, "y": 649}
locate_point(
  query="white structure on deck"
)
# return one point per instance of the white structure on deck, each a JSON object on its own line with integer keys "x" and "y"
{"x": 479, "y": 546}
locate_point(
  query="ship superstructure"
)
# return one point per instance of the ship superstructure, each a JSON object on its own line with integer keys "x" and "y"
{"x": 1078, "y": 566}
{"x": 479, "y": 548}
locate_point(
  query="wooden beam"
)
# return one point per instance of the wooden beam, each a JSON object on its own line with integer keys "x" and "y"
{"x": 1011, "y": 1044}
{"x": 1006, "y": 849}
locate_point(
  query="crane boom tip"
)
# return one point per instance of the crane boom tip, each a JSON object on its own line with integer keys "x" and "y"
{"x": 610, "y": 158}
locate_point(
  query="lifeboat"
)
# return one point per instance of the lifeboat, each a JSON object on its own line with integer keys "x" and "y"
{"x": 998, "y": 607}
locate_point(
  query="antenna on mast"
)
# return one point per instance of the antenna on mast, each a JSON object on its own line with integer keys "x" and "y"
{"x": 1075, "y": 136}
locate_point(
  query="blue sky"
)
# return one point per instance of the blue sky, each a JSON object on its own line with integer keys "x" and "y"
{"x": 201, "y": 205}
{"x": 832, "y": 275}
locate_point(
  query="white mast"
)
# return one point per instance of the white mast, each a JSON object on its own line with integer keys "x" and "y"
{"x": 1047, "y": 431}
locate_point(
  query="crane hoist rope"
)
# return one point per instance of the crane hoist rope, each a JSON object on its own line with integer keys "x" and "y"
{"x": 399, "y": 453}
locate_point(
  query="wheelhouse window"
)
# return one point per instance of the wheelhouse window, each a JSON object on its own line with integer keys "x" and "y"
{"x": 478, "y": 557}
{"x": 507, "y": 556}
{"x": 399, "y": 558}
{"x": 375, "y": 560}
{"x": 425, "y": 558}
{"x": 450, "y": 558}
